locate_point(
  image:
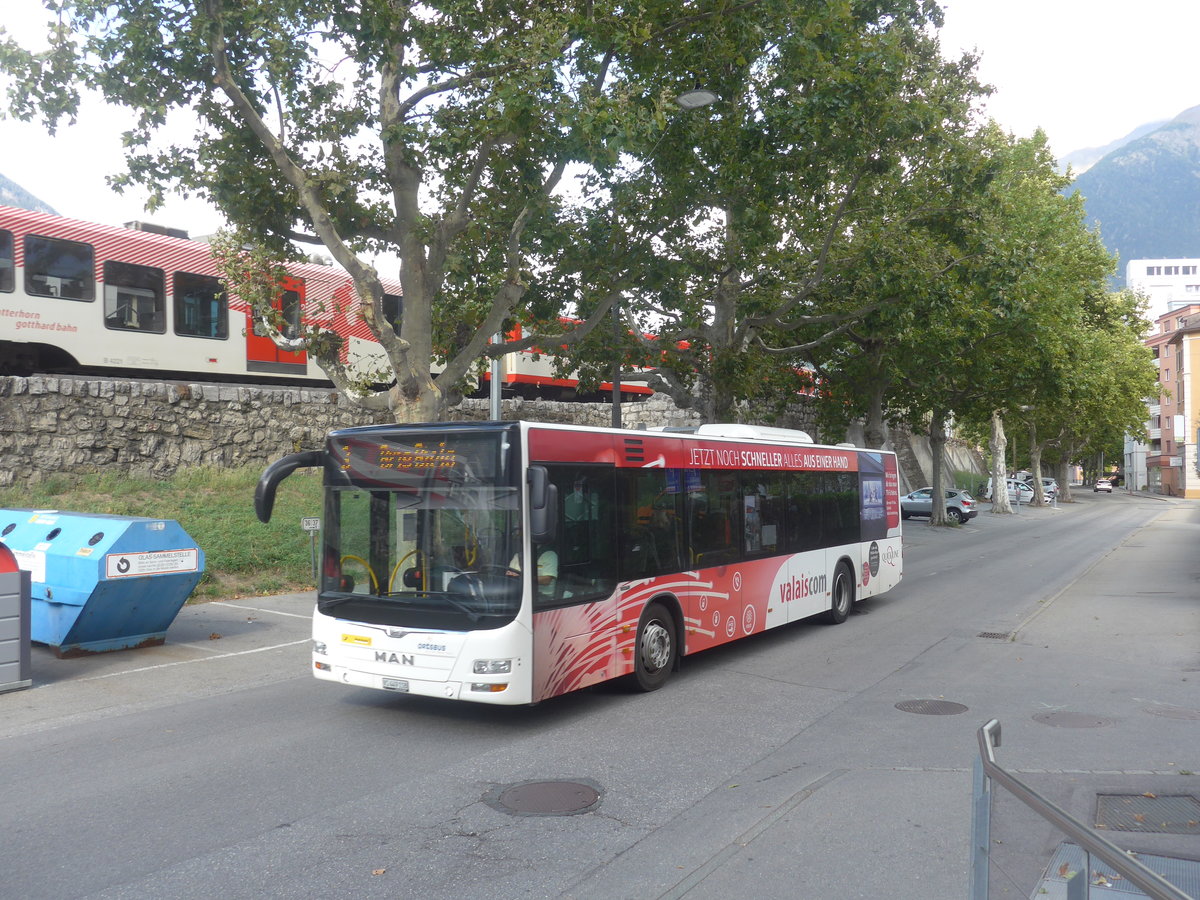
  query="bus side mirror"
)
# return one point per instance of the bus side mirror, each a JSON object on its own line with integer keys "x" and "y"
{"x": 543, "y": 506}
{"x": 264, "y": 492}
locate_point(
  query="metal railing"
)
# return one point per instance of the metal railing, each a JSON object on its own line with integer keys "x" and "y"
{"x": 988, "y": 772}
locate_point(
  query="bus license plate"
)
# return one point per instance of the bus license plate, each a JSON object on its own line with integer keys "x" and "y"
{"x": 395, "y": 684}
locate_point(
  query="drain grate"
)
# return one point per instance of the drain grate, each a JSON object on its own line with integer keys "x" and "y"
{"x": 931, "y": 707}
{"x": 1067, "y": 719}
{"x": 995, "y": 635}
{"x": 1173, "y": 814}
{"x": 544, "y": 798}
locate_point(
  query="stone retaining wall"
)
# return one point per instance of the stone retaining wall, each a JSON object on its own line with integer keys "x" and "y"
{"x": 77, "y": 425}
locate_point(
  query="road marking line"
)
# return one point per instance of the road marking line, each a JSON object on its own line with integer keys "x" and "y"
{"x": 187, "y": 662}
{"x": 275, "y": 612}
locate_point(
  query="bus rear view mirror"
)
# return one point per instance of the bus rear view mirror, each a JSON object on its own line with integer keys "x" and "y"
{"x": 543, "y": 506}
{"x": 264, "y": 492}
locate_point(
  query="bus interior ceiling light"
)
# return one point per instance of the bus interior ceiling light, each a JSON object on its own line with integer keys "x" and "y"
{"x": 695, "y": 98}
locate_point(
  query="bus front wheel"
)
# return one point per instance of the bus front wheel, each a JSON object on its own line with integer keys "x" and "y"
{"x": 656, "y": 650}
{"x": 843, "y": 595}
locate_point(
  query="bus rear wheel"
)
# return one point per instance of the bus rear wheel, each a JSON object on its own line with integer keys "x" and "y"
{"x": 656, "y": 650}
{"x": 843, "y": 595}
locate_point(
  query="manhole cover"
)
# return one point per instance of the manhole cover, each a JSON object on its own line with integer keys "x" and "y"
{"x": 1064, "y": 719}
{"x": 931, "y": 707}
{"x": 1172, "y": 712}
{"x": 544, "y": 798}
{"x": 1171, "y": 814}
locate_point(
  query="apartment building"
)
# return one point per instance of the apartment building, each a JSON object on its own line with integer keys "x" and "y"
{"x": 1171, "y": 460}
{"x": 1169, "y": 283}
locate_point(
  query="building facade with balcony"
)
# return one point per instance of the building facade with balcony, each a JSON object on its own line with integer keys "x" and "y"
{"x": 1172, "y": 460}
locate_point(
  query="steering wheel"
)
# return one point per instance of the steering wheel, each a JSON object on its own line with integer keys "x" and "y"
{"x": 362, "y": 562}
{"x": 510, "y": 571}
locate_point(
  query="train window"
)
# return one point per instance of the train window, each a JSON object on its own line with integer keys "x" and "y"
{"x": 201, "y": 309}
{"x": 7, "y": 281}
{"x": 290, "y": 309}
{"x": 134, "y": 298}
{"x": 56, "y": 268}
{"x": 392, "y": 306}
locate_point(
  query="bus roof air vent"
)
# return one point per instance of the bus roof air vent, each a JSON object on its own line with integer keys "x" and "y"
{"x": 755, "y": 433}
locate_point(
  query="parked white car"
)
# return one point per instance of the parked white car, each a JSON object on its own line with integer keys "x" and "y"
{"x": 1018, "y": 491}
{"x": 1102, "y": 485}
{"x": 1049, "y": 486}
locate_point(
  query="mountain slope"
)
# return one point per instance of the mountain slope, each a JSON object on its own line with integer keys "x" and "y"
{"x": 1082, "y": 160}
{"x": 12, "y": 194}
{"x": 1145, "y": 196}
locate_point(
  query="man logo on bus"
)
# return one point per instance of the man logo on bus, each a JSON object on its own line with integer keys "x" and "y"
{"x": 399, "y": 659}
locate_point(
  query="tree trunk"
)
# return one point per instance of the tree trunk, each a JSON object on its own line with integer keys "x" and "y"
{"x": 1035, "y": 467}
{"x": 999, "y": 447}
{"x": 937, "y": 445}
{"x": 875, "y": 432}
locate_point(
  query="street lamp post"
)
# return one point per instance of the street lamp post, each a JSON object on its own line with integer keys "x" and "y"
{"x": 616, "y": 378}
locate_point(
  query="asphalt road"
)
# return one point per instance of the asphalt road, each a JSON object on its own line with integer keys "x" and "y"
{"x": 778, "y": 767}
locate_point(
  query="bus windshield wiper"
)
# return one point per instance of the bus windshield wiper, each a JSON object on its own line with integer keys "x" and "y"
{"x": 331, "y": 599}
{"x": 438, "y": 595}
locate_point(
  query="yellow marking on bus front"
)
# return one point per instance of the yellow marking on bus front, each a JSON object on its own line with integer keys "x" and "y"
{"x": 359, "y": 639}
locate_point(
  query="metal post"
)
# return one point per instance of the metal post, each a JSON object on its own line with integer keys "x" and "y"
{"x": 494, "y": 394}
{"x": 981, "y": 833}
{"x": 616, "y": 379}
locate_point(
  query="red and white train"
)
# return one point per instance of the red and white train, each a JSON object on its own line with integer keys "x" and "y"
{"x": 78, "y": 297}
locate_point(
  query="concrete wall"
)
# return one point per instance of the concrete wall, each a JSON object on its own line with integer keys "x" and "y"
{"x": 50, "y": 425}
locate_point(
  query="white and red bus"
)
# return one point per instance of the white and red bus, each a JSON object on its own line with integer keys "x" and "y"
{"x": 510, "y": 562}
{"x": 77, "y": 297}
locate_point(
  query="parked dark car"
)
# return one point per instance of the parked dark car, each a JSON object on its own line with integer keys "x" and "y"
{"x": 960, "y": 506}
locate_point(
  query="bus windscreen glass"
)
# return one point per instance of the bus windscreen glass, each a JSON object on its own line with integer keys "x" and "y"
{"x": 422, "y": 531}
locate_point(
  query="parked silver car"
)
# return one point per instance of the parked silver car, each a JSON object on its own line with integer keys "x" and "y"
{"x": 960, "y": 506}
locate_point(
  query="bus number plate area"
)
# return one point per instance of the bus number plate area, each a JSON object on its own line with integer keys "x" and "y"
{"x": 395, "y": 684}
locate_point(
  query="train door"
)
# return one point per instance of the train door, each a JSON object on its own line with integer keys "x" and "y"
{"x": 262, "y": 354}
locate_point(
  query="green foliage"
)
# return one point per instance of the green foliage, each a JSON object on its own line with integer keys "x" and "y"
{"x": 216, "y": 508}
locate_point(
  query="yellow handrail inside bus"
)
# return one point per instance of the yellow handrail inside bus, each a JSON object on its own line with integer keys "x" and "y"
{"x": 403, "y": 559}
{"x": 365, "y": 565}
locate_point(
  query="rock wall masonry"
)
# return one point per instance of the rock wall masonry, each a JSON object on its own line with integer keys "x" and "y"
{"x": 54, "y": 424}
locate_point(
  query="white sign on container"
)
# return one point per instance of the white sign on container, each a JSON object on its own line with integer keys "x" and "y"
{"x": 158, "y": 562}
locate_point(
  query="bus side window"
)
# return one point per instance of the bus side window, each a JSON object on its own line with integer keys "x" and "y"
{"x": 56, "y": 268}
{"x": 585, "y": 546}
{"x": 7, "y": 277}
{"x": 763, "y": 512}
{"x": 134, "y": 298}
{"x": 715, "y": 514}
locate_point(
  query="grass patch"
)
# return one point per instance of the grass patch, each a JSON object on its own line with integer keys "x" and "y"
{"x": 243, "y": 557}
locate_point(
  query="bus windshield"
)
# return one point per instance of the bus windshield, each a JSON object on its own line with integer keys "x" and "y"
{"x": 422, "y": 531}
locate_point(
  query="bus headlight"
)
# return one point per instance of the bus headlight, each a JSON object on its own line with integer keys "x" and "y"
{"x": 492, "y": 666}
{"x": 319, "y": 647}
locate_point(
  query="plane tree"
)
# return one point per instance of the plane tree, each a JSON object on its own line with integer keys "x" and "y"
{"x": 980, "y": 331}
{"x": 833, "y": 127}
{"x": 469, "y": 143}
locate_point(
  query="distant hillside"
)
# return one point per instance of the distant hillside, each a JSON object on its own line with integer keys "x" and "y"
{"x": 1082, "y": 160}
{"x": 12, "y": 194}
{"x": 1145, "y": 195}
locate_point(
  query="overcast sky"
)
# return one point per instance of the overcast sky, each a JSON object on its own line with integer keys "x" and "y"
{"x": 1085, "y": 71}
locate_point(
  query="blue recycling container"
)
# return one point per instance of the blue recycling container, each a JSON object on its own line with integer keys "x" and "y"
{"x": 101, "y": 583}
